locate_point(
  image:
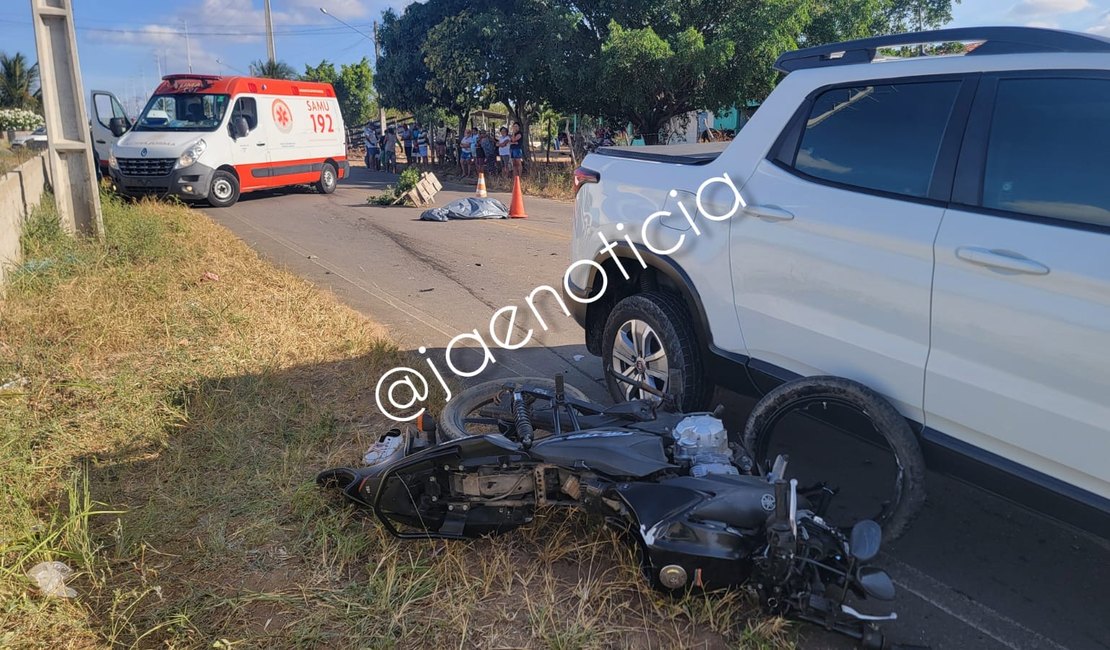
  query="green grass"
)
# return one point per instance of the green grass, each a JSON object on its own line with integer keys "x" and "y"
{"x": 160, "y": 435}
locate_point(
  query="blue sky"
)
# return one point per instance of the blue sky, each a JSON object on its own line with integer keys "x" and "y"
{"x": 124, "y": 44}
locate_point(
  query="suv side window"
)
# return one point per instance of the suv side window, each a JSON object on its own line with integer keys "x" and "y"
{"x": 879, "y": 137}
{"x": 1047, "y": 152}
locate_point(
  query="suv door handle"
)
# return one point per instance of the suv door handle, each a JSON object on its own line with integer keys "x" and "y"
{"x": 770, "y": 212}
{"x": 101, "y": 142}
{"x": 1002, "y": 260}
{"x": 260, "y": 144}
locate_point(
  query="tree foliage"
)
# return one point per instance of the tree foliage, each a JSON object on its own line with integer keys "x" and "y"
{"x": 636, "y": 61}
{"x": 354, "y": 87}
{"x": 355, "y": 91}
{"x": 324, "y": 72}
{"x": 18, "y": 82}
{"x": 272, "y": 69}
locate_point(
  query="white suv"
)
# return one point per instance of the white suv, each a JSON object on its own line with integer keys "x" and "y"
{"x": 937, "y": 228}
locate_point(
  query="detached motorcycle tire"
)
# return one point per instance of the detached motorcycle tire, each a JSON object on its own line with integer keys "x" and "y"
{"x": 909, "y": 493}
{"x": 452, "y": 421}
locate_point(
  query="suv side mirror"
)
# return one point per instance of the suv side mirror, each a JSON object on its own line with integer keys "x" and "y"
{"x": 118, "y": 126}
{"x": 865, "y": 540}
{"x": 239, "y": 127}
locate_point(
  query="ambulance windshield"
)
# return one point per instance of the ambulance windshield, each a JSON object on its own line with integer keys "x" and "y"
{"x": 183, "y": 112}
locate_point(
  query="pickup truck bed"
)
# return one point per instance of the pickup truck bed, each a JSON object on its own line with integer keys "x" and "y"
{"x": 673, "y": 154}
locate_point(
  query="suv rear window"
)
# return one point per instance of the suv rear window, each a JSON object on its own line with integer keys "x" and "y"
{"x": 1047, "y": 154}
{"x": 880, "y": 137}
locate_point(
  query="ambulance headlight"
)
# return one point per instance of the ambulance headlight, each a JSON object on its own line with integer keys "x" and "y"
{"x": 191, "y": 153}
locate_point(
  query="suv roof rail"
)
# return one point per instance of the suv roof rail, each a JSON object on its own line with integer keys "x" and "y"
{"x": 995, "y": 40}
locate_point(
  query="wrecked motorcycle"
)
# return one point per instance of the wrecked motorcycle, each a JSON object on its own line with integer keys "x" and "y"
{"x": 701, "y": 511}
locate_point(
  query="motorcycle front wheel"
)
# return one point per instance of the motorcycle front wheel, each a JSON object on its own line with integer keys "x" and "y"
{"x": 831, "y": 425}
{"x": 483, "y": 409}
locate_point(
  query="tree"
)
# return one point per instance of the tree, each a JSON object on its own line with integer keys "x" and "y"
{"x": 642, "y": 62}
{"x": 354, "y": 87}
{"x": 648, "y": 62}
{"x": 355, "y": 91}
{"x": 18, "y": 82}
{"x": 272, "y": 70}
{"x": 324, "y": 73}
{"x": 454, "y": 53}
{"x": 918, "y": 15}
{"x": 402, "y": 75}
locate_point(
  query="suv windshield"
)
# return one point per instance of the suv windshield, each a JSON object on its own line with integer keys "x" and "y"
{"x": 183, "y": 112}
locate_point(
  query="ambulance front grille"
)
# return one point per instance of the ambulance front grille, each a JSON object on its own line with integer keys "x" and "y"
{"x": 145, "y": 166}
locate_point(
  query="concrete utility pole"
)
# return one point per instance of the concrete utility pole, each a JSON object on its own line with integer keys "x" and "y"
{"x": 270, "y": 34}
{"x": 69, "y": 144}
{"x": 381, "y": 106}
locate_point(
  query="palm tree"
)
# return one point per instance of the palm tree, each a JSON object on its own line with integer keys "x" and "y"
{"x": 273, "y": 69}
{"x": 16, "y": 80}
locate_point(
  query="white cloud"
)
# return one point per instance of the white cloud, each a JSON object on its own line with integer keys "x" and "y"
{"x": 1102, "y": 27}
{"x": 1045, "y": 24}
{"x": 165, "y": 43}
{"x": 1048, "y": 7}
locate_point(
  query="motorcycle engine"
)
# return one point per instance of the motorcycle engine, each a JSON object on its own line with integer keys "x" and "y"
{"x": 702, "y": 441}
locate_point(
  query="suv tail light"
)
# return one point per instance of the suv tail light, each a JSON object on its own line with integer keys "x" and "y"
{"x": 582, "y": 176}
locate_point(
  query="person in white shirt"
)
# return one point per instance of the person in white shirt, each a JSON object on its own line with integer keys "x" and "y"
{"x": 503, "y": 152}
{"x": 466, "y": 152}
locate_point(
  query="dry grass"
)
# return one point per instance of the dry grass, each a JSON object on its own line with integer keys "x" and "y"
{"x": 12, "y": 158}
{"x": 548, "y": 180}
{"x": 162, "y": 439}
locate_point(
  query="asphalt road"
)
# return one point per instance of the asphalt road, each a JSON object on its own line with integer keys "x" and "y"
{"x": 974, "y": 571}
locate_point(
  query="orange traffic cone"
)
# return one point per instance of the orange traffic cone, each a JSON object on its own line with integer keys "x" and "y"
{"x": 481, "y": 193}
{"x": 516, "y": 207}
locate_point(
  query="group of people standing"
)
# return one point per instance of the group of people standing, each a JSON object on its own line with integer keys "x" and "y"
{"x": 381, "y": 148}
{"x": 489, "y": 152}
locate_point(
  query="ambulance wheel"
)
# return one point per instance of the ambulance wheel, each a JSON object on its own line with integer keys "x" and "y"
{"x": 328, "y": 179}
{"x": 224, "y": 191}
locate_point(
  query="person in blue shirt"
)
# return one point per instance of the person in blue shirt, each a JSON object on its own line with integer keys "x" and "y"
{"x": 516, "y": 148}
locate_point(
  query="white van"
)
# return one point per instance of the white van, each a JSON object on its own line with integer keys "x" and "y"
{"x": 211, "y": 138}
{"x": 103, "y": 108}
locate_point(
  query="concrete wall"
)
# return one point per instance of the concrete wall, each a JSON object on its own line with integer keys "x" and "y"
{"x": 21, "y": 191}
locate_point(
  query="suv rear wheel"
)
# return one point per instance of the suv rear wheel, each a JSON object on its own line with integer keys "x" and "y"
{"x": 648, "y": 338}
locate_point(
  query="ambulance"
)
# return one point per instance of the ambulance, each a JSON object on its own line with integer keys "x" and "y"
{"x": 211, "y": 138}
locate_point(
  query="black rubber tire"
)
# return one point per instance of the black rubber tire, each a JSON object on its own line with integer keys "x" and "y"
{"x": 451, "y": 425}
{"x": 221, "y": 175}
{"x": 668, "y": 316}
{"x": 889, "y": 422}
{"x": 321, "y": 186}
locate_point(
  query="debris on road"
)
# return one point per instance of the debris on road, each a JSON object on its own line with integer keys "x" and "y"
{"x": 15, "y": 386}
{"x": 413, "y": 188}
{"x": 51, "y": 579}
{"x": 468, "y": 208}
